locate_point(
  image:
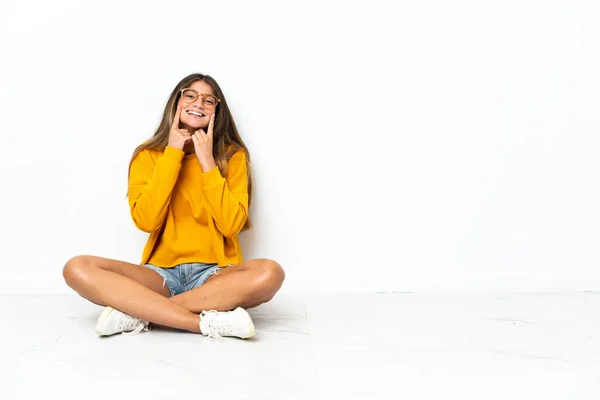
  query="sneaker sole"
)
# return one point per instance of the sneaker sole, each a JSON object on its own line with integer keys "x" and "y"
{"x": 101, "y": 319}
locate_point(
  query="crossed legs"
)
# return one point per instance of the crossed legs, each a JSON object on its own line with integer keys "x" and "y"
{"x": 140, "y": 292}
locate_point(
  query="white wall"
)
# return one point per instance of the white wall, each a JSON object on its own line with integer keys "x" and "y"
{"x": 397, "y": 146}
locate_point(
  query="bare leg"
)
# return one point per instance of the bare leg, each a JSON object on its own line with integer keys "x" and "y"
{"x": 244, "y": 285}
{"x": 130, "y": 288}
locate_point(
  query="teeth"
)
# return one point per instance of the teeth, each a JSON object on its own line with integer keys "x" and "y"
{"x": 195, "y": 113}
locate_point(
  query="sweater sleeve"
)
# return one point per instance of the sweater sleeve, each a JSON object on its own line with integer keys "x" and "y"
{"x": 150, "y": 187}
{"x": 228, "y": 198}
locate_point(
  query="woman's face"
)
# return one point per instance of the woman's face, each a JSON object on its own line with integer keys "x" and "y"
{"x": 194, "y": 114}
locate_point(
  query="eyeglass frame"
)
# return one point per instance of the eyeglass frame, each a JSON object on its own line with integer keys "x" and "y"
{"x": 198, "y": 94}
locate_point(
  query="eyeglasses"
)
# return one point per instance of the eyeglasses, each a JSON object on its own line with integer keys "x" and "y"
{"x": 208, "y": 100}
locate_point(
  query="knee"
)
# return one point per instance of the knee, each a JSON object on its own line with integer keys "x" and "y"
{"x": 75, "y": 269}
{"x": 271, "y": 273}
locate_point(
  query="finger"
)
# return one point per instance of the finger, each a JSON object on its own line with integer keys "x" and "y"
{"x": 211, "y": 125}
{"x": 175, "y": 124}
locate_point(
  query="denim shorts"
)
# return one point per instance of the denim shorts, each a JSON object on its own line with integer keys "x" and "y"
{"x": 184, "y": 277}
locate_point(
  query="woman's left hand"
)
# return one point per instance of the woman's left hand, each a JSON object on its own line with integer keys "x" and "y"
{"x": 203, "y": 144}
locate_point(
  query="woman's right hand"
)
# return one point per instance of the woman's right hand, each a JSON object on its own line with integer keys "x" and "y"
{"x": 178, "y": 137}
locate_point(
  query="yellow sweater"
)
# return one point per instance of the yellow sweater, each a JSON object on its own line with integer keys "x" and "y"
{"x": 191, "y": 215}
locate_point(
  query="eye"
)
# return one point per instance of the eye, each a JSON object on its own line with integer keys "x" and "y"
{"x": 188, "y": 95}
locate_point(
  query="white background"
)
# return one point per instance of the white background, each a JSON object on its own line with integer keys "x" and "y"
{"x": 396, "y": 146}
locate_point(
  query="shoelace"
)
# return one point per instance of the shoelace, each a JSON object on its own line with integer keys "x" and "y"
{"x": 131, "y": 322}
{"x": 138, "y": 329}
{"x": 216, "y": 326}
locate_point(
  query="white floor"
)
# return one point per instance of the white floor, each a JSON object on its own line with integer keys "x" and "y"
{"x": 351, "y": 346}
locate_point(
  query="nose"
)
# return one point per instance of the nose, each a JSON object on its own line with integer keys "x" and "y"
{"x": 199, "y": 102}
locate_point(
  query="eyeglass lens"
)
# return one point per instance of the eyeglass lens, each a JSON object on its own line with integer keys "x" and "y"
{"x": 208, "y": 100}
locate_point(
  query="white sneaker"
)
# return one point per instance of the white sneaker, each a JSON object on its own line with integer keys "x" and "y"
{"x": 216, "y": 324}
{"x": 113, "y": 321}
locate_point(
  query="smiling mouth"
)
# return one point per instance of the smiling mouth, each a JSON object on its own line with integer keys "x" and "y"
{"x": 196, "y": 114}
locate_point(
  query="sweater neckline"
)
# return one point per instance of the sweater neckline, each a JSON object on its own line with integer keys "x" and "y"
{"x": 189, "y": 156}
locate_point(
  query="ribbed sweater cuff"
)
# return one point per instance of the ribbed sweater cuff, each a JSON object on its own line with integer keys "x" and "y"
{"x": 212, "y": 177}
{"x": 173, "y": 154}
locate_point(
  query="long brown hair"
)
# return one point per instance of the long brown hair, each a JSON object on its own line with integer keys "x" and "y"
{"x": 226, "y": 139}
